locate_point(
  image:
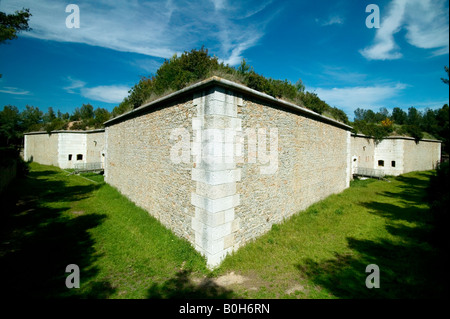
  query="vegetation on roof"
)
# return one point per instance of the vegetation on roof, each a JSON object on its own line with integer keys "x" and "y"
{"x": 197, "y": 65}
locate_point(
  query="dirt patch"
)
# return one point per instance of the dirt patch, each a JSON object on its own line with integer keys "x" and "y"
{"x": 295, "y": 288}
{"x": 230, "y": 279}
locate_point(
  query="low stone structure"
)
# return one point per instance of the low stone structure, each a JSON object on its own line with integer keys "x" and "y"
{"x": 219, "y": 163}
{"x": 65, "y": 148}
{"x": 394, "y": 155}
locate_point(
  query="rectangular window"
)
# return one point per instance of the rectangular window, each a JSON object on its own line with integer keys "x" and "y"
{"x": 70, "y": 157}
{"x": 393, "y": 163}
{"x": 380, "y": 163}
{"x": 79, "y": 157}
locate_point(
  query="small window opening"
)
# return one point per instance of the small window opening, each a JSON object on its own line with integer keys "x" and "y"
{"x": 79, "y": 157}
{"x": 70, "y": 157}
{"x": 380, "y": 163}
{"x": 393, "y": 163}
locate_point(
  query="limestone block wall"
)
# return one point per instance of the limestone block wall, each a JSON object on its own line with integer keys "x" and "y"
{"x": 421, "y": 156}
{"x": 71, "y": 149}
{"x": 95, "y": 146}
{"x": 396, "y": 155}
{"x": 389, "y": 156}
{"x": 64, "y": 148}
{"x": 41, "y": 147}
{"x": 219, "y": 163}
{"x": 363, "y": 149}
{"x": 138, "y": 164}
{"x": 312, "y": 162}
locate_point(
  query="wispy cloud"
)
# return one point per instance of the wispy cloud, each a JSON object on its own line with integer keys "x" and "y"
{"x": 158, "y": 29}
{"x": 14, "y": 91}
{"x": 333, "y": 19}
{"x": 369, "y": 97}
{"x": 74, "y": 85}
{"x": 103, "y": 93}
{"x": 106, "y": 93}
{"x": 426, "y": 24}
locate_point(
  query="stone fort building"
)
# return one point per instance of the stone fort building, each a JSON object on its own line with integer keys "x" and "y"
{"x": 394, "y": 155}
{"x": 219, "y": 163}
{"x": 65, "y": 148}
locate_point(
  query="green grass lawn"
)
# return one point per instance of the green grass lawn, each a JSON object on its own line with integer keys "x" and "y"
{"x": 53, "y": 219}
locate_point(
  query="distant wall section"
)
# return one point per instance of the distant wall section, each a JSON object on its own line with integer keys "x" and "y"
{"x": 41, "y": 147}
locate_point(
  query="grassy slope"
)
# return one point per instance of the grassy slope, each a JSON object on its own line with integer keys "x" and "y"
{"x": 323, "y": 252}
{"x": 54, "y": 220}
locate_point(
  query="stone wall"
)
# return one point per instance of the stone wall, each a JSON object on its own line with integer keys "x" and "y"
{"x": 41, "y": 147}
{"x": 138, "y": 164}
{"x": 313, "y": 162}
{"x": 219, "y": 163}
{"x": 421, "y": 156}
{"x": 95, "y": 146}
{"x": 71, "y": 149}
{"x": 363, "y": 149}
{"x": 64, "y": 148}
{"x": 396, "y": 155}
{"x": 389, "y": 156}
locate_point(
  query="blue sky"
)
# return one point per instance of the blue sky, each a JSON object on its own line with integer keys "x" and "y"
{"x": 325, "y": 43}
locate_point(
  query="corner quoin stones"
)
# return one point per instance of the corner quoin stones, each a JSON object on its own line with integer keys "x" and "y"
{"x": 221, "y": 203}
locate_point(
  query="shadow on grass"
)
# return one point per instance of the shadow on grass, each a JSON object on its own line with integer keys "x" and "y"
{"x": 410, "y": 264}
{"x": 38, "y": 241}
{"x": 182, "y": 287}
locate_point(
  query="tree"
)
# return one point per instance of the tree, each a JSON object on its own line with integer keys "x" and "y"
{"x": 244, "y": 67}
{"x": 381, "y": 115}
{"x": 50, "y": 115}
{"x": 76, "y": 115}
{"x": 429, "y": 123}
{"x": 11, "y": 24}
{"x": 31, "y": 118}
{"x": 445, "y": 80}
{"x": 443, "y": 132}
{"x": 101, "y": 115}
{"x": 300, "y": 86}
{"x": 10, "y": 130}
{"x": 339, "y": 115}
{"x": 87, "y": 112}
{"x": 414, "y": 116}
{"x": 399, "y": 116}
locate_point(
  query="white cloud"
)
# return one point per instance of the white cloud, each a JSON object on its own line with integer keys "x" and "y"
{"x": 334, "y": 19}
{"x": 14, "y": 91}
{"x": 426, "y": 25}
{"x": 106, "y": 93}
{"x": 74, "y": 85}
{"x": 159, "y": 29}
{"x": 103, "y": 93}
{"x": 369, "y": 97}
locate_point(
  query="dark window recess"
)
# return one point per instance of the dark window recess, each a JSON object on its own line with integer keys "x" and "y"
{"x": 380, "y": 163}
{"x": 79, "y": 157}
{"x": 393, "y": 163}
{"x": 70, "y": 157}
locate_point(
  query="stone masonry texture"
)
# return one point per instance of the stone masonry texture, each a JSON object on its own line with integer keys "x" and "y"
{"x": 250, "y": 161}
{"x": 56, "y": 147}
{"x": 399, "y": 154}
